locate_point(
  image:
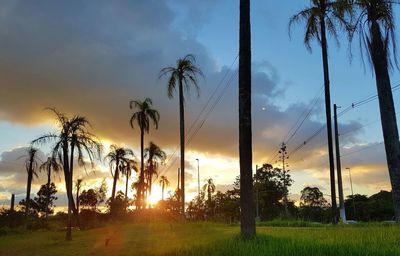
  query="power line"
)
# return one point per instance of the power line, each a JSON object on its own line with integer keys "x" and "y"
{"x": 306, "y": 114}
{"x": 360, "y": 150}
{"x": 299, "y": 122}
{"x": 189, "y": 137}
{"x": 364, "y": 101}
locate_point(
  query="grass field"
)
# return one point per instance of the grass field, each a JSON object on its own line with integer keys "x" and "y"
{"x": 206, "y": 239}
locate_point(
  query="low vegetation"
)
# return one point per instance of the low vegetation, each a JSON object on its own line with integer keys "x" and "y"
{"x": 201, "y": 238}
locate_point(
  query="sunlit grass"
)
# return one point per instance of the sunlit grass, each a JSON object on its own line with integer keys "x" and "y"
{"x": 206, "y": 239}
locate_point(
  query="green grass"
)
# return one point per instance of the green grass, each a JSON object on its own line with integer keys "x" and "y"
{"x": 206, "y": 239}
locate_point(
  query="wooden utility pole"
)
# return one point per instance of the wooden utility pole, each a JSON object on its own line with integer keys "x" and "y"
{"x": 342, "y": 210}
{"x": 12, "y": 203}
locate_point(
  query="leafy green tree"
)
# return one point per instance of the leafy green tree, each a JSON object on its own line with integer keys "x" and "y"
{"x": 50, "y": 165}
{"x": 44, "y": 201}
{"x": 72, "y": 140}
{"x": 322, "y": 18}
{"x": 272, "y": 186}
{"x": 42, "y": 204}
{"x": 144, "y": 114}
{"x": 88, "y": 199}
{"x": 313, "y": 204}
{"x": 375, "y": 24}
{"x": 184, "y": 76}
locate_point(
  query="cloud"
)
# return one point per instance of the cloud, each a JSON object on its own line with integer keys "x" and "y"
{"x": 92, "y": 57}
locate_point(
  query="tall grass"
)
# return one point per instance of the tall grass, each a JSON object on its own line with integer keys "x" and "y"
{"x": 206, "y": 239}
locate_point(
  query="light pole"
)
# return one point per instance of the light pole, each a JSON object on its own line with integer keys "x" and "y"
{"x": 352, "y": 194}
{"x": 198, "y": 176}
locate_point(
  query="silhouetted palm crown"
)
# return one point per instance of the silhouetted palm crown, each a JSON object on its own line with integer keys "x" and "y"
{"x": 185, "y": 70}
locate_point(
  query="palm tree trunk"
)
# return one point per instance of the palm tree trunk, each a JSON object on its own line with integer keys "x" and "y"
{"x": 324, "y": 47}
{"x": 182, "y": 142}
{"x": 116, "y": 176}
{"x": 162, "y": 196}
{"x": 388, "y": 113}
{"x": 68, "y": 235}
{"x": 28, "y": 189}
{"x": 141, "y": 186}
{"x": 126, "y": 185}
{"x": 247, "y": 223}
{"x": 48, "y": 190}
{"x": 71, "y": 178}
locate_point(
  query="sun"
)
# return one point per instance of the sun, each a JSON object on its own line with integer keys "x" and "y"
{"x": 156, "y": 195}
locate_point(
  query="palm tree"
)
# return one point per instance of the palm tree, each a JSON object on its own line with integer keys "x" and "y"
{"x": 127, "y": 171}
{"x": 30, "y": 166}
{"x": 73, "y": 135}
{"x": 184, "y": 76}
{"x": 247, "y": 207}
{"x": 163, "y": 182}
{"x": 48, "y": 166}
{"x": 376, "y": 27}
{"x": 154, "y": 155}
{"x": 321, "y": 18}
{"x": 209, "y": 187}
{"x": 78, "y": 188}
{"x": 118, "y": 158}
{"x": 143, "y": 116}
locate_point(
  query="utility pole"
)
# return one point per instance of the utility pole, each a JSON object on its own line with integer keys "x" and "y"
{"x": 352, "y": 194}
{"x": 342, "y": 210}
{"x": 257, "y": 196}
{"x": 12, "y": 203}
{"x": 178, "y": 191}
{"x": 283, "y": 157}
{"x": 198, "y": 177}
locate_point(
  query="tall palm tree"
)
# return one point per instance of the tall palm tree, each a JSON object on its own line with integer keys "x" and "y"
{"x": 247, "y": 206}
{"x": 31, "y": 167}
{"x": 375, "y": 24}
{"x": 50, "y": 164}
{"x": 118, "y": 158}
{"x": 155, "y": 156}
{"x": 72, "y": 140}
{"x": 78, "y": 185}
{"x": 322, "y": 17}
{"x": 127, "y": 171}
{"x": 144, "y": 114}
{"x": 163, "y": 182}
{"x": 209, "y": 187}
{"x": 184, "y": 76}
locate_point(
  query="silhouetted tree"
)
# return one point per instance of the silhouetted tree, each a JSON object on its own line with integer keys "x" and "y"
{"x": 184, "y": 76}
{"x": 322, "y": 17}
{"x": 163, "y": 182}
{"x": 155, "y": 156}
{"x": 73, "y": 136}
{"x": 375, "y": 24}
{"x": 312, "y": 204}
{"x": 145, "y": 113}
{"x": 51, "y": 164}
{"x": 31, "y": 167}
{"x": 127, "y": 169}
{"x": 118, "y": 158}
{"x": 209, "y": 188}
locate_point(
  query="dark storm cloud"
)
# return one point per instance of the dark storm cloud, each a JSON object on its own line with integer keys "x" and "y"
{"x": 92, "y": 57}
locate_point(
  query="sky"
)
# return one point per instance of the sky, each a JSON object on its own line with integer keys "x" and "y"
{"x": 92, "y": 57}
